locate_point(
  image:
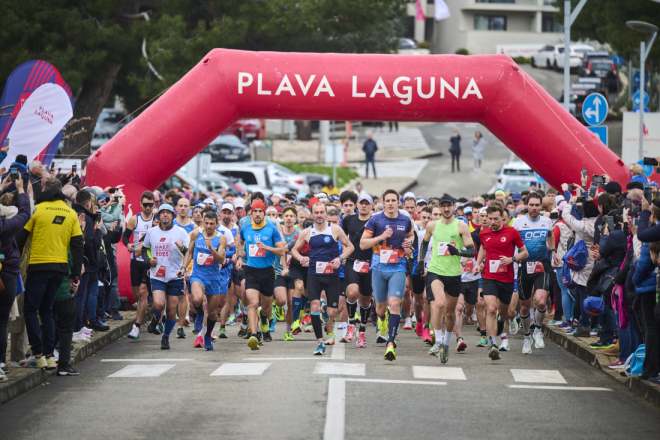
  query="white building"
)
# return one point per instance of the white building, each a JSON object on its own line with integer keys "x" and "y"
{"x": 481, "y": 25}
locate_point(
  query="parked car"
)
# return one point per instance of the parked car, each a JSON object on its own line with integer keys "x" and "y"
{"x": 99, "y": 139}
{"x": 576, "y": 53}
{"x": 228, "y": 148}
{"x": 605, "y": 69}
{"x": 580, "y": 91}
{"x": 244, "y": 129}
{"x": 546, "y": 56}
{"x": 273, "y": 176}
{"x": 515, "y": 174}
{"x": 589, "y": 55}
{"x": 112, "y": 120}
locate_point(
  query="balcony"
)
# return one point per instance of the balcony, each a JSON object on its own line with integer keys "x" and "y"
{"x": 508, "y": 5}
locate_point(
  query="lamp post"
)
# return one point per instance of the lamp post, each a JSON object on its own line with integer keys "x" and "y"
{"x": 569, "y": 18}
{"x": 644, "y": 50}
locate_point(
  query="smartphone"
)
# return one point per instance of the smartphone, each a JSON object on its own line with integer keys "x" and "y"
{"x": 554, "y": 215}
{"x": 571, "y": 187}
{"x": 6, "y": 143}
{"x": 584, "y": 172}
{"x": 598, "y": 179}
{"x": 592, "y": 190}
{"x": 628, "y": 204}
{"x": 635, "y": 221}
{"x": 112, "y": 190}
{"x": 14, "y": 173}
{"x": 648, "y": 195}
{"x": 580, "y": 199}
{"x": 74, "y": 168}
{"x": 116, "y": 199}
{"x": 610, "y": 222}
{"x": 650, "y": 161}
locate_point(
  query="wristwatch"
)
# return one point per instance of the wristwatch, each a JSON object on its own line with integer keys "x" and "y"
{"x": 342, "y": 260}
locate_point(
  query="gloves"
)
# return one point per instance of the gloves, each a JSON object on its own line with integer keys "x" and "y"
{"x": 420, "y": 268}
{"x": 452, "y": 250}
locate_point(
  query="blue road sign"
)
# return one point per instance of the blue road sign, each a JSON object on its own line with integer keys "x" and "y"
{"x": 616, "y": 59}
{"x": 636, "y": 78}
{"x": 594, "y": 109}
{"x": 635, "y": 89}
{"x": 636, "y": 109}
{"x": 541, "y": 181}
{"x": 601, "y": 131}
{"x": 636, "y": 99}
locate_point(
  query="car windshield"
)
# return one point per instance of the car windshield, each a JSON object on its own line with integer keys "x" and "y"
{"x": 111, "y": 117}
{"x": 214, "y": 186}
{"x": 518, "y": 185}
{"x": 517, "y": 172}
{"x": 281, "y": 169}
{"x": 602, "y": 66}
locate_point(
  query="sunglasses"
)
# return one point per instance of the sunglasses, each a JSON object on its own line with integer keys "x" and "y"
{"x": 148, "y": 205}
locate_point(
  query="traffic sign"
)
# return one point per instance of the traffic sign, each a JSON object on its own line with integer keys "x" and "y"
{"x": 601, "y": 132}
{"x": 616, "y": 59}
{"x": 635, "y": 89}
{"x": 636, "y": 78}
{"x": 594, "y": 109}
{"x": 636, "y": 99}
{"x": 636, "y": 109}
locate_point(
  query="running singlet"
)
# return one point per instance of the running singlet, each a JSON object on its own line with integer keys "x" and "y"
{"x": 287, "y": 239}
{"x": 323, "y": 248}
{"x": 164, "y": 250}
{"x": 227, "y": 233}
{"x": 204, "y": 265}
{"x": 442, "y": 262}
{"x": 188, "y": 228}
{"x": 268, "y": 235}
{"x": 417, "y": 244}
{"x": 142, "y": 227}
{"x": 242, "y": 223}
{"x": 354, "y": 228}
{"x": 388, "y": 255}
{"x": 497, "y": 244}
{"x": 534, "y": 234}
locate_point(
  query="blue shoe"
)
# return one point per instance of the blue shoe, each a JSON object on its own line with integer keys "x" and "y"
{"x": 199, "y": 322}
{"x": 231, "y": 320}
{"x": 324, "y": 312}
{"x": 320, "y": 350}
{"x": 271, "y": 329}
{"x": 160, "y": 329}
{"x": 208, "y": 343}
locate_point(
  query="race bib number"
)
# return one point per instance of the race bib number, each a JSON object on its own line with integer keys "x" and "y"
{"x": 254, "y": 251}
{"x": 324, "y": 267}
{"x": 361, "y": 266}
{"x": 140, "y": 235}
{"x": 288, "y": 259}
{"x": 205, "y": 259}
{"x": 443, "y": 249}
{"x": 496, "y": 267}
{"x": 389, "y": 256}
{"x": 469, "y": 266}
{"x": 162, "y": 270}
{"x": 535, "y": 267}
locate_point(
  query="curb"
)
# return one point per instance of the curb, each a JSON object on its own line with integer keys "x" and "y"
{"x": 25, "y": 379}
{"x": 598, "y": 360}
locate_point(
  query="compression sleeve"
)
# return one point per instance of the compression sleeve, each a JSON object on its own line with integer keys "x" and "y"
{"x": 424, "y": 249}
{"x": 126, "y": 236}
{"x": 468, "y": 252}
{"x": 145, "y": 255}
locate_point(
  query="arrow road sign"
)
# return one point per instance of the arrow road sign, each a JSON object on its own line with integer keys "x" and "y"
{"x": 594, "y": 109}
{"x": 601, "y": 132}
{"x": 636, "y": 78}
{"x": 636, "y": 97}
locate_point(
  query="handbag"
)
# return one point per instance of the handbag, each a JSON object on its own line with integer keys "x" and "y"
{"x": 635, "y": 362}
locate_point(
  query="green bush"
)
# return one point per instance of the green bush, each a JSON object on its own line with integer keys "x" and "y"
{"x": 462, "y": 51}
{"x": 620, "y": 102}
{"x": 344, "y": 175}
{"x": 424, "y": 45}
{"x": 521, "y": 60}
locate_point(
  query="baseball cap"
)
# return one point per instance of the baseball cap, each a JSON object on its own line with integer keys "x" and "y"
{"x": 239, "y": 203}
{"x": 422, "y": 200}
{"x": 166, "y": 207}
{"x": 446, "y": 198}
{"x": 483, "y": 210}
{"x": 516, "y": 197}
{"x": 409, "y": 195}
{"x": 228, "y": 206}
{"x": 594, "y": 305}
{"x": 322, "y": 196}
{"x": 209, "y": 201}
{"x": 366, "y": 197}
{"x": 559, "y": 199}
{"x": 502, "y": 192}
{"x": 271, "y": 209}
{"x": 102, "y": 197}
{"x": 467, "y": 210}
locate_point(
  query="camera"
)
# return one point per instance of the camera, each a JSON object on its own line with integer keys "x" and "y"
{"x": 571, "y": 187}
{"x": 650, "y": 161}
{"x": 580, "y": 199}
{"x": 554, "y": 215}
{"x": 598, "y": 180}
{"x": 648, "y": 194}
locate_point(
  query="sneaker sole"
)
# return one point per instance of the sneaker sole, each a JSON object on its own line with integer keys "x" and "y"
{"x": 253, "y": 343}
{"x": 462, "y": 346}
{"x": 390, "y": 356}
{"x": 67, "y": 374}
{"x": 135, "y": 338}
{"x": 494, "y": 355}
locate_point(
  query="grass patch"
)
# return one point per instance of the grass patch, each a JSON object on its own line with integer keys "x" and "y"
{"x": 344, "y": 175}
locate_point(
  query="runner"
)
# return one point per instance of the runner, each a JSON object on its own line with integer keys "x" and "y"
{"x": 443, "y": 276}
{"x": 137, "y": 227}
{"x": 499, "y": 243}
{"x": 333, "y": 218}
{"x": 227, "y": 316}
{"x": 167, "y": 243}
{"x": 182, "y": 211}
{"x": 409, "y": 204}
{"x": 183, "y": 220}
{"x": 390, "y": 235}
{"x": 469, "y": 296}
{"x": 418, "y": 283}
{"x": 298, "y": 273}
{"x": 284, "y": 283}
{"x": 197, "y": 218}
{"x": 535, "y": 270}
{"x": 323, "y": 272}
{"x": 264, "y": 244}
{"x": 357, "y": 268}
{"x": 207, "y": 255}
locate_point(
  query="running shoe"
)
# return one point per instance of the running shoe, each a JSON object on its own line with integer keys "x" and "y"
{"x": 267, "y": 337}
{"x": 271, "y": 328}
{"x": 51, "y": 363}
{"x": 554, "y": 322}
{"x": 433, "y": 338}
{"x": 381, "y": 339}
{"x": 159, "y": 329}
{"x": 180, "y": 333}
{"x": 222, "y": 333}
{"x": 165, "y": 344}
{"x": 306, "y": 320}
{"x": 87, "y": 332}
{"x": 199, "y": 322}
{"x": 527, "y": 346}
{"x": 242, "y": 332}
{"x": 135, "y": 333}
{"x": 362, "y": 340}
{"x": 390, "y": 355}
{"x": 426, "y": 336}
{"x": 199, "y": 342}
{"x": 330, "y": 340}
{"x": 382, "y": 327}
{"x": 444, "y": 356}
{"x": 231, "y": 320}
{"x": 408, "y": 324}
{"x": 538, "y": 339}
{"x": 324, "y": 312}
{"x": 469, "y": 321}
{"x": 350, "y": 333}
{"x": 320, "y": 349}
{"x": 152, "y": 324}
{"x": 655, "y": 381}
{"x": 34, "y": 362}
{"x": 593, "y": 332}
{"x": 253, "y": 343}
{"x": 186, "y": 323}
{"x": 309, "y": 328}
{"x": 617, "y": 365}
{"x": 460, "y": 344}
{"x": 374, "y": 318}
{"x": 213, "y": 336}
{"x": 564, "y": 325}
{"x": 582, "y": 332}
{"x": 494, "y": 353}
{"x": 287, "y": 336}
{"x": 504, "y": 346}
{"x": 483, "y": 342}
{"x": 260, "y": 337}
{"x": 600, "y": 345}
{"x": 435, "y": 349}
{"x": 513, "y": 326}
{"x": 66, "y": 371}
{"x": 279, "y": 313}
{"x": 419, "y": 328}
{"x": 295, "y": 329}
{"x": 208, "y": 343}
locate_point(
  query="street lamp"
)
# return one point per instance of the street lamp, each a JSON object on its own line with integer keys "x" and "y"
{"x": 645, "y": 28}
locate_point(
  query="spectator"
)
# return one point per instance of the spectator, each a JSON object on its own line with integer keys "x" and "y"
{"x": 370, "y": 149}
{"x": 562, "y": 233}
{"x": 35, "y": 177}
{"x": 478, "y": 147}
{"x": 396, "y": 125}
{"x": 455, "y": 150}
{"x": 330, "y": 189}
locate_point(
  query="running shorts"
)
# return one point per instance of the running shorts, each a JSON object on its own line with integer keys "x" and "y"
{"x": 286, "y": 282}
{"x": 452, "y": 285}
{"x": 171, "y": 288}
{"x": 318, "y": 283}
{"x": 470, "y": 291}
{"x": 387, "y": 284}
{"x": 500, "y": 289}
{"x": 260, "y": 279}
{"x": 418, "y": 284}
{"x": 527, "y": 283}
{"x": 363, "y": 280}
{"x": 139, "y": 273}
{"x": 298, "y": 273}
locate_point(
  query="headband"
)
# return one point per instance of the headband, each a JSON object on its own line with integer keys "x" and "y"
{"x": 259, "y": 205}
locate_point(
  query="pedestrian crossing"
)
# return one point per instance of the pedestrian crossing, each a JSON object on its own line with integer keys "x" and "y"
{"x": 407, "y": 138}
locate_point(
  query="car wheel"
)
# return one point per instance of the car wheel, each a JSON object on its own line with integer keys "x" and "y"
{"x": 315, "y": 187}
{"x": 532, "y": 62}
{"x": 547, "y": 64}
{"x": 555, "y": 66}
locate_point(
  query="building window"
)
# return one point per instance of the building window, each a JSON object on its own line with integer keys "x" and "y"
{"x": 550, "y": 25}
{"x": 490, "y": 22}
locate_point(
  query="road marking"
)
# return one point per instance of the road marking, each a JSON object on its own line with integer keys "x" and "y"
{"x": 282, "y": 359}
{"x": 548, "y": 387}
{"x": 447, "y": 373}
{"x": 241, "y": 369}
{"x": 335, "y": 412}
{"x": 151, "y": 370}
{"x": 146, "y": 360}
{"x": 342, "y": 369}
{"x": 537, "y": 376}
{"x": 470, "y": 125}
{"x": 339, "y": 349}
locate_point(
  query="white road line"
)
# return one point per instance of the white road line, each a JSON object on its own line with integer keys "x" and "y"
{"x": 316, "y": 358}
{"x": 241, "y": 369}
{"x": 146, "y": 360}
{"x": 537, "y": 376}
{"x": 548, "y": 387}
{"x": 335, "y": 413}
{"x": 447, "y": 373}
{"x": 341, "y": 369}
{"x": 151, "y": 370}
{"x": 338, "y": 352}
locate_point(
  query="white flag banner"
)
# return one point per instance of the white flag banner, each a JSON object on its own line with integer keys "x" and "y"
{"x": 441, "y": 10}
{"x": 43, "y": 115}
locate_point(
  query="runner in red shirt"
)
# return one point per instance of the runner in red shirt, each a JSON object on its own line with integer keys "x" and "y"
{"x": 496, "y": 259}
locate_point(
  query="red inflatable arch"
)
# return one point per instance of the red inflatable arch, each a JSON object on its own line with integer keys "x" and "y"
{"x": 227, "y": 85}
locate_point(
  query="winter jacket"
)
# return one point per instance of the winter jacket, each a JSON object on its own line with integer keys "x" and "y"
{"x": 455, "y": 145}
{"x": 109, "y": 241}
{"x": 11, "y": 227}
{"x": 614, "y": 246}
{"x": 584, "y": 230}
{"x": 111, "y": 214}
{"x": 562, "y": 233}
{"x": 478, "y": 148}
{"x": 646, "y": 233}
{"x": 370, "y": 147}
{"x": 92, "y": 240}
{"x": 645, "y": 276}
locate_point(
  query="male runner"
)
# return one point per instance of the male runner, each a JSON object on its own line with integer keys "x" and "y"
{"x": 182, "y": 211}
{"x": 137, "y": 226}
{"x": 284, "y": 283}
{"x": 357, "y": 267}
{"x": 168, "y": 243}
{"x": 450, "y": 236}
{"x": 298, "y": 272}
{"x": 324, "y": 261}
{"x": 390, "y": 235}
{"x": 409, "y": 204}
{"x": 264, "y": 244}
{"x": 469, "y": 296}
{"x": 496, "y": 257}
{"x": 418, "y": 283}
{"x": 207, "y": 255}
{"x": 227, "y": 314}
{"x": 197, "y": 217}
{"x": 535, "y": 270}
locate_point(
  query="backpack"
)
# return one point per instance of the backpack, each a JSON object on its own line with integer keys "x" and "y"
{"x": 566, "y": 276}
{"x": 635, "y": 362}
{"x": 576, "y": 257}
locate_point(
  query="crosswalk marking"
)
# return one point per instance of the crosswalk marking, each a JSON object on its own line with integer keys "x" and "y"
{"x": 151, "y": 370}
{"x": 340, "y": 369}
{"x": 251, "y": 369}
{"x": 537, "y": 376}
{"x": 550, "y": 387}
{"x": 446, "y": 373}
{"x": 146, "y": 360}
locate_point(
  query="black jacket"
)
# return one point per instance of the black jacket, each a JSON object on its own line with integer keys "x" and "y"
{"x": 11, "y": 227}
{"x": 646, "y": 233}
{"x": 614, "y": 246}
{"x": 93, "y": 240}
{"x": 112, "y": 237}
{"x": 455, "y": 145}
{"x": 370, "y": 147}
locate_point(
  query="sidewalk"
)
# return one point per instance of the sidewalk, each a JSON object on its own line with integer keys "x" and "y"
{"x": 21, "y": 380}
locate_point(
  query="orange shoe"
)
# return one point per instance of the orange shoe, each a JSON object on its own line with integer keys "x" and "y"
{"x": 199, "y": 342}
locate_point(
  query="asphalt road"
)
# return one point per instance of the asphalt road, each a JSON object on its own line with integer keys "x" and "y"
{"x": 349, "y": 393}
